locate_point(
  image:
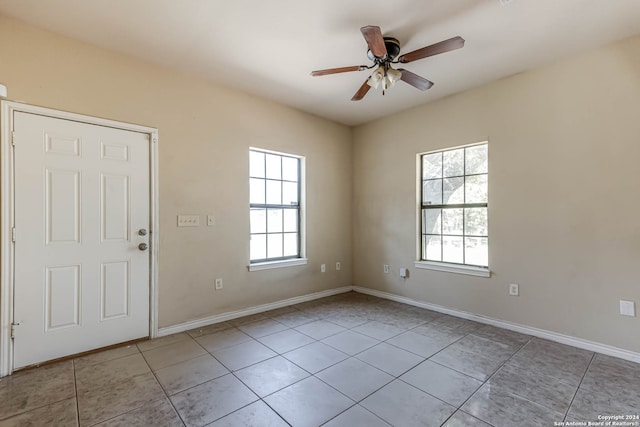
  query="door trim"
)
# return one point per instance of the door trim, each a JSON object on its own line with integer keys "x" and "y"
{"x": 7, "y": 219}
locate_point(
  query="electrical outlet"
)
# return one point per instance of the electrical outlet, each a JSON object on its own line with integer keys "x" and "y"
{"x": 627, "y": 308}
{"x": 188, "y": 220}
{"x": 219, "y": 284}
{"x": 211, "y": 220}
{"x": 404, "y": 272}
{"x": 338, "y": 266}
{"x": 514, "y": 289}
{"x": 385, "y": 268}
{"x": 323, "y": 268}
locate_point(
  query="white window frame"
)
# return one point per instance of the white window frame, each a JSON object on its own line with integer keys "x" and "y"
{"x": 301, "y": 259}
{"x": 466, "y": 269}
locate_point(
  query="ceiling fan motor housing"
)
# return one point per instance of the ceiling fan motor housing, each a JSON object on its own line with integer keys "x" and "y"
{"x": 387, "y": 49}
{"x": 393, "y": 49}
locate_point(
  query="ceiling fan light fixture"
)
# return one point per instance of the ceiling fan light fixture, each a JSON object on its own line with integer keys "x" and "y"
{"x": 382, "y": 51}
{"x": 376, "y": 78}
{"x": 392, "y": 77}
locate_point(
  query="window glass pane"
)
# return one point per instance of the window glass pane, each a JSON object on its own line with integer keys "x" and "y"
{"x": 290, "y": 244}
{"x": 432, "y": 166}
{"x": 274, "y": 192}
{"x": 476, "y": 189}
{"x": 453, "y": 191}
{"x": 256, "y": 191}
{"x": 424, "y": 247}
{"x": 274, "y": 220}
{"x": 256, "y": 164}
{"x": 475, "y": 222}
{"x": 476, "y": 159}
{"x": 477, "y": 251}
{"x": 290, "y": 220}
{"x": 432, "y": 192}
{"x": 274, "y": 245}
{"x": 455, "y": 177}
{"x": 274, "y": 180}
{"x": 431, "y": 221}
{"x": 434, "y": 248}
{"x": 274, "y": 166}
{"x": 258, "y": 220}
{"x": 452, "y": 221}
{"x": 453, "y": 163}
{"x": 289, "y": 169}
{"x": 452, "y": 250}
{"x": 289, "y": 193}
{"x": 258, "y": 247}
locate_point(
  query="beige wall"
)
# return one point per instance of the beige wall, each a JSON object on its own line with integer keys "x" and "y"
{"x": 564, "y": 199}
{"x": 564, "y": 196}
{"x": 205, "y": 132}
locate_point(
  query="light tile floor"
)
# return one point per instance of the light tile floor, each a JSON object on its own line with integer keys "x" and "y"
{"x": 348, "y": 360}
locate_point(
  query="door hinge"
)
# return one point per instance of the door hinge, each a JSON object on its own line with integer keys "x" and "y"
{"x": 13, "y": 234}
{"x": 13, "y": 138}
{"x": 13, "y": 329}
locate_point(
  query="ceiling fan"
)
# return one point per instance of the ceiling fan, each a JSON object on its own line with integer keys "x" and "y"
{"x": 383, "y": 52}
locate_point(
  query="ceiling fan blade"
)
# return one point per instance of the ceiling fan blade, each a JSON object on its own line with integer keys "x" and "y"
{"x": 434, "y": 49}
{"x": 415, "y": 80}
{"x": 362, "y": 91}
{"x": 375, "y": 41}
{"x": 338, "y": 70}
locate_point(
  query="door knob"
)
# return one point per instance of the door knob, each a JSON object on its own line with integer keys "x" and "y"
{"x": 142, "y": 232}
{"x": 143, "y": 246}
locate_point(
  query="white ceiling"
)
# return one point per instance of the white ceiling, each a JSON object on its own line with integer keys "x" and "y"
{"x": 268, "y": 47}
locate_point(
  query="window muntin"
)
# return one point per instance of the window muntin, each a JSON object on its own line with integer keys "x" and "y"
{"x": 453, "y": 206}
{"x": 274, "y": 213}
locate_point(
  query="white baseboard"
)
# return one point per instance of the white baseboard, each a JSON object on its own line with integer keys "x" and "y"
{"x": 199, "y": 323}
{"x": 529, "y": 330}
{"x": 540, "y": 333}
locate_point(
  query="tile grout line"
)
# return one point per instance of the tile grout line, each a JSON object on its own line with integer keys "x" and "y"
{"x": 459, "y": 408}
{"x": 276, "y": 412}
{"x": 166, "y": 395}
{"x": 8, "y": 377}
{"x": 586, "y": 371}
{"x": 462, "y": 373}
{"x": 312, "y": 375}
{"x": 75, "y": 388}
{"x": 278, "y": 354}
{"x": 394, "y": 377}
{"x": 232, "y": 372}
{"x": 370, "y": 316}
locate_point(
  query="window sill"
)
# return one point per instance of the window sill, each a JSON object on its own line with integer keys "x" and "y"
{"x": 454, "y": 268}
{"x": 277, "y": 264}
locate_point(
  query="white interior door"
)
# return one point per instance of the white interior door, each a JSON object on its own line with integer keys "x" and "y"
{"x": 82, "y": 195}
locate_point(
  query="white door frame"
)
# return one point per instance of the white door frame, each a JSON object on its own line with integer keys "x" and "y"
{"x": 7, "y": 219}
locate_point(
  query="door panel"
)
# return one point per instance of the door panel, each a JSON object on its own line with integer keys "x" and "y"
{"x": 115, "y": 290}
{"x": 80, "y": 280}
{"x": 62, "y": 206}
{"x": 62, "y": 297}
{"x": 114, "y": 203}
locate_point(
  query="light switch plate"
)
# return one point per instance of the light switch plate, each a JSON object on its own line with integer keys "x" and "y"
{"x": 211, "y": 220}
{"x": 188, "y": 220}
{"x": 627, "y": 308}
